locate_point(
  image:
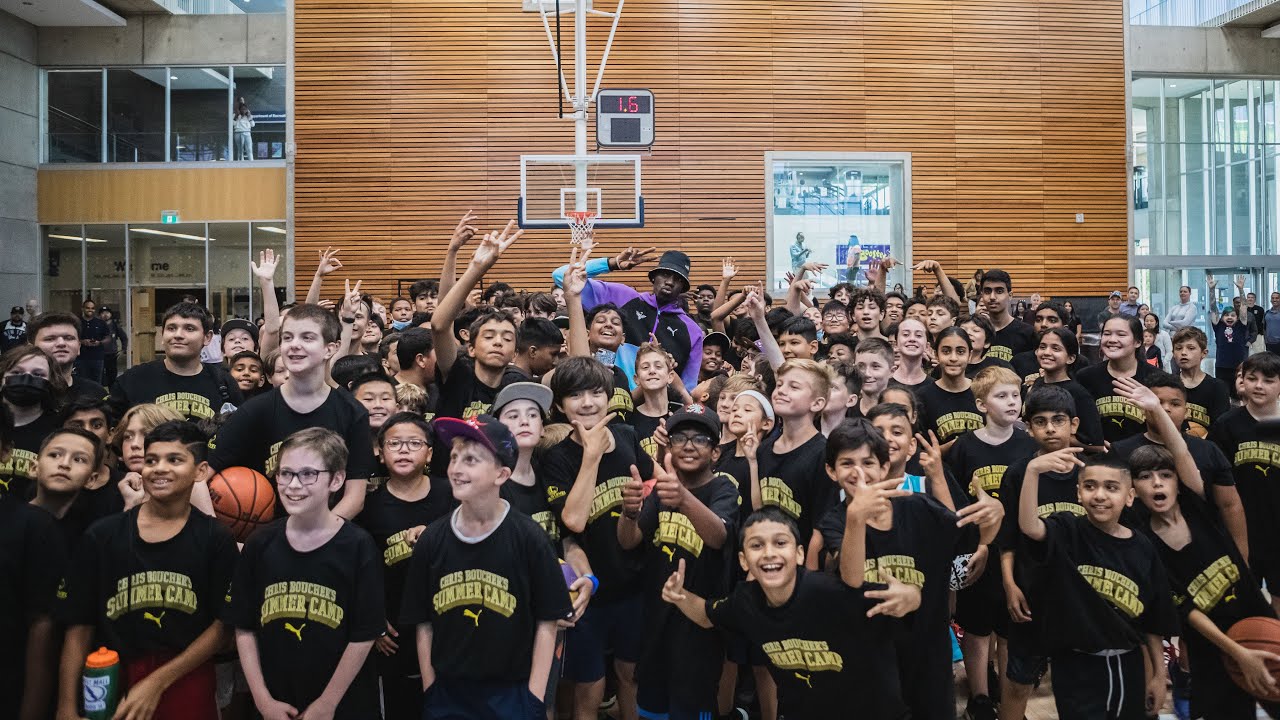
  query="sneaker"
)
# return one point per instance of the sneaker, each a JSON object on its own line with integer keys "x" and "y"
{"x": 736, "y": 714}
{"x": 980, "y": 707}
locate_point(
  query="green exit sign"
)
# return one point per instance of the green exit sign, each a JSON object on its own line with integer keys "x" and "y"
{"x": 168, "y": 217}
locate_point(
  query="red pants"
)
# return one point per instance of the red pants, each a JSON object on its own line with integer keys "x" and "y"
{"x": 191, "y": 697}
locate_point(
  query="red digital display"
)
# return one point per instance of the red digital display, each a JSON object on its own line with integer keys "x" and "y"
{"x": 624, "y": 104}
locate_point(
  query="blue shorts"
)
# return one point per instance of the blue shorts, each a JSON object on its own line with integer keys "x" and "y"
{"x": 616, "y": 626}
{"x": 467, "y": 700}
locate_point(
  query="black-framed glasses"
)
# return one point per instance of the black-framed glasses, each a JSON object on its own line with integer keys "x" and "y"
{"x": 412, "y": 444}
{"x": 698, "y": 440}
{"x": 305, "y": 476}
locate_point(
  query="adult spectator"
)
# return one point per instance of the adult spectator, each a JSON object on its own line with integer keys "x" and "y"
{"x": 1184, "y": 313}
{"x": 1111, "y": 310}
{"x": 1271, "y": 322}
{"x": 658, "y": 313}
{"x": 59, "y": 335}
{"x": 93, "y": 333}
{"x": 15, "y": 330}
{"x": 1257, "y": 318}
{"x": 1130, "y": 305}
{"x": 116, "y": 343}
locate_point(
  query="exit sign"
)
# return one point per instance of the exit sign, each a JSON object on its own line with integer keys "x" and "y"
{"x": 168, "y": 217}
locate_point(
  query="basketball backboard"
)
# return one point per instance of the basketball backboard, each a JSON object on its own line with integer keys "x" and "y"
{"x": 549, "y": 190}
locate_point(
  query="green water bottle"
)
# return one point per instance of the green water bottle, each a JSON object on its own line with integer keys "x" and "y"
{"x": 101, "y": 682}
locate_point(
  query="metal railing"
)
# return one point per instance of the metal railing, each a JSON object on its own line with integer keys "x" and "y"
{"x": 1193, "y": 13}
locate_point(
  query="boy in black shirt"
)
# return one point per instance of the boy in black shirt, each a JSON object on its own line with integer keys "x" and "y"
{"x": 253, "y": 436}
{"x": 1106, "y": 602}
{"x": 825, "y": 640}
{"x": 396, "y": 514}
{"x": 33, "y": 561}
{"x": 179, "y": 380}
{"x": 686, "y": 519}
{"x": 1253, "y": 457}
{"x": 484, "y": 589}
{"x": 1207, "y": 396}
{"x": 69, "y": 460}
{"x": 307, "y": 601}
{"x": 1012, "y": 336}
{"x": 585, "y": 474}
{"x": 59, "y": 335}
{"x": 151, "y": 584}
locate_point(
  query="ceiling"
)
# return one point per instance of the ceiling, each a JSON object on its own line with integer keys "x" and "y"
{"x": 62, "y": 13}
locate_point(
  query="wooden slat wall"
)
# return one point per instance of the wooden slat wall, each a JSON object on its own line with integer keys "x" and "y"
{"x": 410, "y": 112}
{"x": 139, "y": 195}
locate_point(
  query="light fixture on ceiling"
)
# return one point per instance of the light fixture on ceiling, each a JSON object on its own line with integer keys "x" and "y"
{"x": 182, "y": 236}
{"x": 77, "y": 238}
{"x": 271, "y": 229}
{"x": 173, "y": 77}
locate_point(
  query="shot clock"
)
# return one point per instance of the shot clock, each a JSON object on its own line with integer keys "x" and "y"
{"x": 624, "y": 118}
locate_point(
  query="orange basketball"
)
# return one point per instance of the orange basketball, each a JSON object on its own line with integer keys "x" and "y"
{"x": 1256, "y": 633}
{"x": 242, "y": 499}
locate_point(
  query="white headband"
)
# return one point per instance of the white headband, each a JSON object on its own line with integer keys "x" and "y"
{"x": 760, "y": 398}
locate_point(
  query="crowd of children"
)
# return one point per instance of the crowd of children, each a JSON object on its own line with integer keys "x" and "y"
{"x": 683, "y": 503}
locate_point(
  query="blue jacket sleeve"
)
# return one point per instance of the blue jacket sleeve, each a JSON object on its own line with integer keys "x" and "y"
{"x": 597, "y": 266}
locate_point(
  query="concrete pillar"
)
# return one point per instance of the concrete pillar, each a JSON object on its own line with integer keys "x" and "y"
{"x": 19, "y": 156}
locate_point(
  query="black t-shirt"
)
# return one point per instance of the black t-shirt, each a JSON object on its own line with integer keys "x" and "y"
{"x": 484, "y": 599}
{"x": 1090, "y": 430}
{"x": 1252, "y": 461}
{"x": 1207, "y": 402}
{"x": 987, "y": 361}
{"x": 621, "y": 402}
{"x": 1012, "y": 339}
{"x": 86, "y": 388}
{"x": 252, "y": 436}
{"x": 796, "y": 482}
{"x": 736, "y": 467}
{"x": 388, "y": 520}
{"x": 645, "y": 425}
{"x": 144, "y": 597}
{"x": 18, "y": 468}
{"x": 1027, "y": 366}
{"x": 103, "y": 501}
{"x": 1101, "y": 592}
{"x": 1215, "y": 469}
{"x": 531, "y": 500}
{"x": 33, "y": 561}
{"x": 1057, "y": 493}
{"x": 972, "y": 458}
{"x": 306, "y": 607}
{"x": 949, "y": 414}
{"x": 1120, "y": 418}
{"x": 822, "y": 649}
{"x": 670, "y": 537}
{"x": 617, "y": 569}
{"x": 196, "y": 397}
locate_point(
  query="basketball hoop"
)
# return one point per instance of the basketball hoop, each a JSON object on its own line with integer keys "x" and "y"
{"x": 582, "y": 224}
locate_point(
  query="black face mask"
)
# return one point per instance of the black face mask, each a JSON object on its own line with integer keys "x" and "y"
{"x": 26, "y": 390}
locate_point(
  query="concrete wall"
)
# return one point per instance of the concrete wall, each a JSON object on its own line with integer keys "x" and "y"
{"x": 170, "y": 39}
{"x": 1187, "y": 51}
{"x": 19, "y": 154}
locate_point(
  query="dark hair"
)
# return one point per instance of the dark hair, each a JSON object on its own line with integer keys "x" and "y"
{"x": 57, "y": 383}
{"x": 1049, "y": 399}
{"x": 419, "y": 319}
{"x": 384, "y": 345}
{"x": 414, "y": 341}
{"x": 1191, "y": 334}
{"x": 190, "y": 311}
{"x": 1057, "y": 309}
{"x": 1066, "y": 337}
{"x": 901, "y": 296}
{"x": 953, "y": 331}
{"x": 1158, "y": 378}
{"x": 988, "y": 330}
{"x": 835, "y": 306}
{"x": 85, "y": 403}
{"x": 704, "y": 286}
{"x": 1135, "y": 328}
{"x": 867, "y": 293}
{"x": 876, "y": 345}
{"x": 406, "y": 418}
{"x": 423, "y": 287}
{"x": 248, "y": 355}
{"x": 1155, "y": 329}
{"x": 350, "y": 367}
{"x": 744, "y": 331}
{"x": 1266, "y": 364}
{"x": 799, "y": 325}
{"x": 775, "y": 317}
{"x": 465, "y": 319}
{"x": 580, "y": 374}
{"x": 376, "y": 376}
{"x": 944, "y": 301}
{"x": 490, "y": 316}
{"x": 850, "y": 373}
{"x": 543, "y": 302}
{"x": 1109, "y": 461}
{"x": 602, "y": 308}
{"x": 845, "y": 339}
{"x": 892, "y": 410}
{"x": 997, "y": 276}
{"x": 857, "y": 433}
{"x": 769, "y": 514}
{"x": 714, "y": 387}
{"x": 330, "y": 327}
{"x": 838, "y": 287}
{"x": 181, "y": 431}
{"x": 1150, "y": 458}
{"x": 99, "y": 450}
{"x": 399, "y": 299}
{"x": 536, "y": 332}
{"x": 49, "y": 319}
{"x": 494, "y": 289}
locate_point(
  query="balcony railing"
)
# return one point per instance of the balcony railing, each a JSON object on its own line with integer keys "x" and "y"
{"x": 1193, "y": 13}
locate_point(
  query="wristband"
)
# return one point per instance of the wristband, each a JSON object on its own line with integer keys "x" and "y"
{"x": 349, "y": 320}
{"x": 595, "y": 584}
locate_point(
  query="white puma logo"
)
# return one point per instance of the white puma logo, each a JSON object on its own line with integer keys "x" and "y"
{"x": 805, "y": 678}
{"x": 672, "y": 331}
{"x": 640, "y": 315}
{"x": 475, "y": 616}
{"x": 157, "y": 619}
{"x": 297, "y": 631}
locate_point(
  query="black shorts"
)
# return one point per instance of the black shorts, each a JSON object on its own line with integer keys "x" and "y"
{"x": 926, "y": 674}
{"x": 1087, "y": 687}
{"x": 679, "y": 671}
{"x": 466, "y": 700}
{"x": 1027, "y": 664}
{"x": 981, "y": 608}
{"x": 616, "y": 626}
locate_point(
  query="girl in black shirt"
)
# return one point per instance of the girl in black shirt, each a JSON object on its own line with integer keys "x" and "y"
{"x": 32, "y": 390}
{"x": 1121, "y": 346}
{"x": 1057, "y": 352}
{"x": 949, "y": 407}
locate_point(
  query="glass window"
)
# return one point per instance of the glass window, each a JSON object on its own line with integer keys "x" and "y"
{"x": 166, "y": 265}
{"x": 135, "y": 114}
{"x": 64, "y": 268}
{"x": 200, "y": 104}
{"x": 837, "y": 209}
{"x": 74, "y": 116}
{"x": 229, "y": 274}
{"x": 263, "y": 92}
{"x": 271, "y": 235}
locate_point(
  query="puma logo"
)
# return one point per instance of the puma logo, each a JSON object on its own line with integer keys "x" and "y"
{"x": 475, "y": 616}
{"x": 297, "y": 631}
{"x": 671, "y": 556}
{"x": 4, "y": 484}
{"x": 804, "y": 678}
{"x": 615, "y": 513}
{"x": 1118, "y": 421}
{"x": 157, "y": 619}
{"x": 672, "y": 331}
{"x": 1264, "y": 469}
{"x": 1231, "y": 596}
{"x": 640, "y": 315}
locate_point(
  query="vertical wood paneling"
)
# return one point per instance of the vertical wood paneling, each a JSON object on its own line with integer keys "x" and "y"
{"x": 410, "y": 112}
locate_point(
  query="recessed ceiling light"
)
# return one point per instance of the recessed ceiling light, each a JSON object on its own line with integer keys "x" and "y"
{"x": 270, "y": 229}
{"x": 1173, "y": 84}
{"x": 77, "y": 238}
{"x": 173, "y": 77}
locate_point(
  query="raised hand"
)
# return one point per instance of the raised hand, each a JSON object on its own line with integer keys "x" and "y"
{"x": 930, "y": 453}
{"x": 929, "y": 266}
{"x": 671, "y": 492}
{"x": 1137, "y": 393}
{"x": 867, "y": 501}
{"x": 265, "y": 268}
{"x": 728, "y": 269}
{"x": 464, "y": 231}
{"x": 751, "y": 442}
{"x": 351, "y": 299}
{"x": 1240, "y": 283}
{"x": 632, "y": 257}
{"x": 813, "y": 267}
{"x": 633, "y": 494}
{"x": 982, "y": 512}
{"x": 673, "y": 590}
{"x": 494, "y": 244}
{"x": 754, "y": 304}
{"x": 329, "y": 261}
{"x": 1213, "y": 283}
{"x": 575, "y": 280}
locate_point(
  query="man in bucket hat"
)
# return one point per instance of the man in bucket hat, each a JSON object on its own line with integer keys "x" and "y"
{"x": 658, "y": 313}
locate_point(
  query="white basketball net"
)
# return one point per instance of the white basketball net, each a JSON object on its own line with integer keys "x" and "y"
{"x": 582, "y": 224}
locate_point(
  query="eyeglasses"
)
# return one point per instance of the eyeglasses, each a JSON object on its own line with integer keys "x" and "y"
{"x": 305, "y": 476}
{"x": 699, "y": 440}
{"x": 1056, "y": 421}
{"x": 413, "y": 445}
